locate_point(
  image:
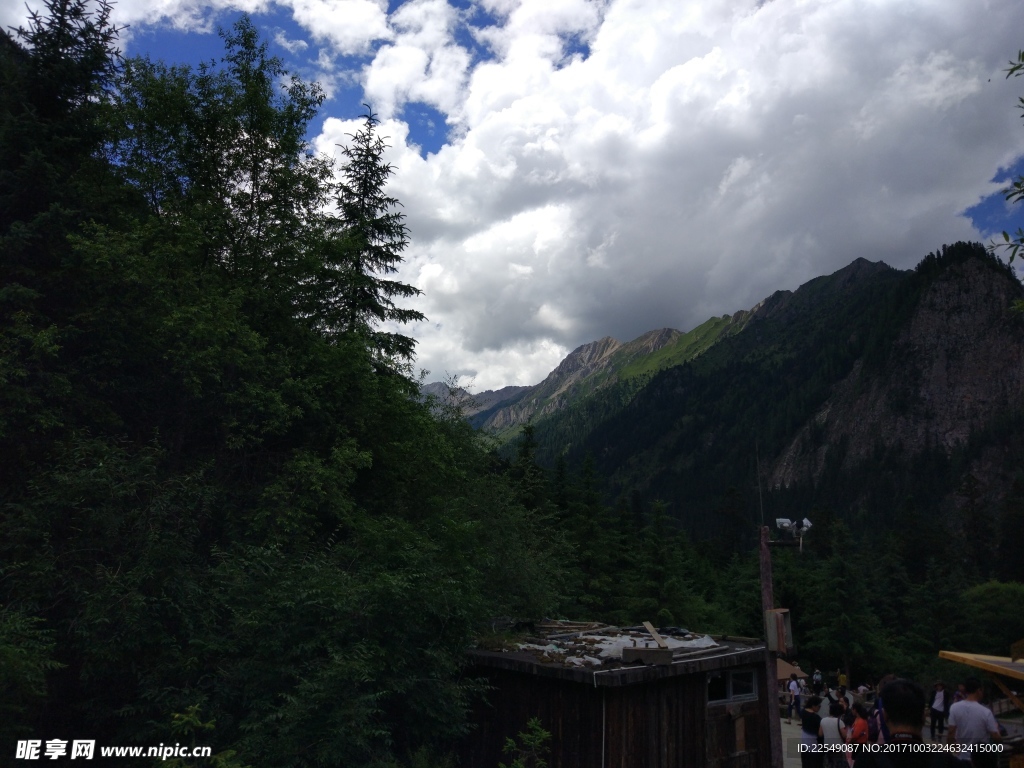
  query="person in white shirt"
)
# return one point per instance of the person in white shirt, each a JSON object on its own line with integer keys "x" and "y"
{"x": 972, "y": 723}
{"x": 833, "y": 731}
{"x": 939, "y": 708}
{"x": 794, "y": 697}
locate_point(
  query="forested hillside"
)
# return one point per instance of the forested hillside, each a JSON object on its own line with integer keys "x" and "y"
{"x": 883, "y": 405}
{"x": 867, "y": 373}
{"x": 228, "y": 518}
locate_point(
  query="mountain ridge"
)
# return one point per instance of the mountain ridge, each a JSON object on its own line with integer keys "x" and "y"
{"x": 860, "y": 390}
{"x": 930, "y": 390}
{"x": 598, "y": 364}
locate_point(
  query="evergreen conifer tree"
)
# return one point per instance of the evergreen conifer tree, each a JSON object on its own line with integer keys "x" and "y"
{"x": 213, "y": 514}
{"x": 372, "y": 237}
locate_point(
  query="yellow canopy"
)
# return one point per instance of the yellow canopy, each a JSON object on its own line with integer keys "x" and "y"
{"x": 999, "y": 665}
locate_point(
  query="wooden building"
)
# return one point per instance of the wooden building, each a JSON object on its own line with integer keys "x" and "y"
{"x": 703, "y": 706}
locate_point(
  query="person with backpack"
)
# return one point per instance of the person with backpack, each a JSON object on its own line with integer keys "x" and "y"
{"x": 833, "y": 696}
{"x": 875, "y": 726}
{"x": 883, "y": 734}
{"x": 903, "y": 710}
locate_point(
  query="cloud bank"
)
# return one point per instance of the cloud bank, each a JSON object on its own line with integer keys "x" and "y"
{"x": 697, "y": 159}
{"x": 614, "y": 166}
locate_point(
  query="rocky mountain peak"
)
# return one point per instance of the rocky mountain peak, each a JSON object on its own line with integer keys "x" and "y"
{"x": 651, "y": 341}
{"x": 585, "y": 356}
{"x": 955, "y": 365}
{"x": 585, "y": 369}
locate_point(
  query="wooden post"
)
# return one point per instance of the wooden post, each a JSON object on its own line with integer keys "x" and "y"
{"x": 767, "y": 604}
{"x": 654, "y": 633}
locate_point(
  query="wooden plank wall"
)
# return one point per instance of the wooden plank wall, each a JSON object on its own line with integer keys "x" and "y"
{"x": 738, "y": 733}
{"x": 659, "y": 724}
{"x": 734, "y": 736}
{"x": 570, "y": 711}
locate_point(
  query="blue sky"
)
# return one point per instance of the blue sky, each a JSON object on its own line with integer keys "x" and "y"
{"x": 994, "y": 214}
{"x": 306, "y": 55}
{"x": 573, "y": 169}
{"x": 300, "y": 52}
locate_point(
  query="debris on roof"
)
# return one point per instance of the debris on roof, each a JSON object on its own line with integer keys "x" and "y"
{"x": 595, "y": 645}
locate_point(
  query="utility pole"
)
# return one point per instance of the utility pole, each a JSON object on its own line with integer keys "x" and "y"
{"x": 771, "y": 673}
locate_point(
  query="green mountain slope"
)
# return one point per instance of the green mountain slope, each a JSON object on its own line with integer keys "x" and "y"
{"x": 602, "y": 365}
{"x": 870, "y": 345}
{"x": 732, "y": 339}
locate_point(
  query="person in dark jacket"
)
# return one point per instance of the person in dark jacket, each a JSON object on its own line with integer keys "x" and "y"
{"x": 810, "y": 723}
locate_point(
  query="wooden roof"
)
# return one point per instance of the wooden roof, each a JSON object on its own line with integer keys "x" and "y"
{"x": 784, "y": 669}
{"x": 729, "y": 655}
{"x": 999, "y": 665}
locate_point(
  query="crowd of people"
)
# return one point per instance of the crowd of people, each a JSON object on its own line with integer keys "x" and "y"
{"x": 833, "y": 719}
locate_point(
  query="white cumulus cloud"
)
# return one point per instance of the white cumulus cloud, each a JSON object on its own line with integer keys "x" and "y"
{"x": 700, "y": 157}
{"x": 614, "y": 166}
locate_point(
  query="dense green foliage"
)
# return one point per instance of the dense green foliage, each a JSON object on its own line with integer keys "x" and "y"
{"x": 890, "y": 568}
{"x": 225, "y": 513}
{"x": 868, "y": 598}
{"x": 530, "y": 748}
